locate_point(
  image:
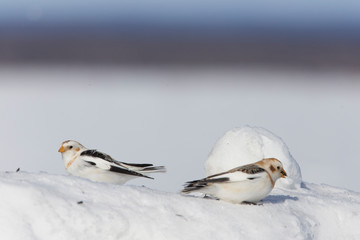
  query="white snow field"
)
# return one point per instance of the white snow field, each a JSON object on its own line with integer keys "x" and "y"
{"x": 46, "y": 206}
{"x": 155, "y": 116}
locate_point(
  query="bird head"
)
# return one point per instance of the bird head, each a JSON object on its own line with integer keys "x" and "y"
{"x": 274, "y": 168}
{"x": 70, "y": 148}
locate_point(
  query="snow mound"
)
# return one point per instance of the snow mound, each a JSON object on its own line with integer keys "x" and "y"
{"x": 245, "y": 145}
{"x": 44, "y": 206}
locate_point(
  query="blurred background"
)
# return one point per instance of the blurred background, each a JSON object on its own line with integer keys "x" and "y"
{"x": 160, "y": 81}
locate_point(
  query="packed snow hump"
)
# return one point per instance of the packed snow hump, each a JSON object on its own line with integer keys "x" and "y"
{"x": 47, "y": 206}
{"x": 245, "y": 145}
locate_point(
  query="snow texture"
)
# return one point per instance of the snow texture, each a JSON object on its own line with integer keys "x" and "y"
{"x": 44, "y": 206}
{"x": 241, "y": 146}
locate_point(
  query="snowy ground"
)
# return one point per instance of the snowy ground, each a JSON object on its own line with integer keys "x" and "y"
{"x": 46, "y": 206}
{"x": 168, "y": 122}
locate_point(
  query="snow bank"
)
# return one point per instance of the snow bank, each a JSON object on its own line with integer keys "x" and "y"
{"x": 44, "y": 206}
{"x": 245, "y": 145}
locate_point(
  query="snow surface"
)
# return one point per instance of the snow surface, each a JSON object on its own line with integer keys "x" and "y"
{"x": 142, "y": 125}
{"x": 241, "y": 146}
{"x": 46, "y": 206}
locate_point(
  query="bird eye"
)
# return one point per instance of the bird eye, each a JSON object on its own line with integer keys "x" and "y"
{"x": 278, "y": 167}
{"x": 70, "y": 147}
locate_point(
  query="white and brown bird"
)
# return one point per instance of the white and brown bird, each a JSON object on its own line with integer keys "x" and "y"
{"x": 246, "y": 184}
{"x": 100, "y": 167}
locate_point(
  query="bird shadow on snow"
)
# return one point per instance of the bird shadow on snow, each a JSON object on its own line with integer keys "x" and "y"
{"x": 274, "y": 199}
{"x": 279, "y": 199}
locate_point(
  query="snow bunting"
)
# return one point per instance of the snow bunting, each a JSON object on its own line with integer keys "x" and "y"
{"x": 246, "y": 184}
{"x": 100, "y": 167}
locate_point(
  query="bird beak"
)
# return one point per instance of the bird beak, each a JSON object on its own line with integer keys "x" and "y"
{"x": 61, "y": 149}
{"x": 283, "y": 173}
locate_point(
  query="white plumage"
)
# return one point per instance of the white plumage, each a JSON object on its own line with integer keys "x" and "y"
{"x": 100, "y": 167}
{"x": 246, "y": 184}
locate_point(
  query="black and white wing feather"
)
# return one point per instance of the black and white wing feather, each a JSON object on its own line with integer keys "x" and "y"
{"x": 104, "y": 161}
{"x": 248, "y": 172}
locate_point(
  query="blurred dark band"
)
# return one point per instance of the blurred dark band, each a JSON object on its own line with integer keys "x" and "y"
{"x": 148, "y": 45}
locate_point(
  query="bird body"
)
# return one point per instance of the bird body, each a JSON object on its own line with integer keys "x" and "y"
{"x": 100, "y": 167}
{"x": 245, "y": 184}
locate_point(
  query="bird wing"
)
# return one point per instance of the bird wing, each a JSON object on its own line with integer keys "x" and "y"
{"x": 108, "y": 158}
{"x": 105, "y": 162}
{"x": 249, "y": 172}
{"x": 246, "y": 172}
{"x": 96, "y": 154}
{"x": 136, "y": 166}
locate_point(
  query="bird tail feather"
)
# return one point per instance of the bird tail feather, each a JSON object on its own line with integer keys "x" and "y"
{"x": 153, "y": 169}
{"x": 197, "y": 185}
